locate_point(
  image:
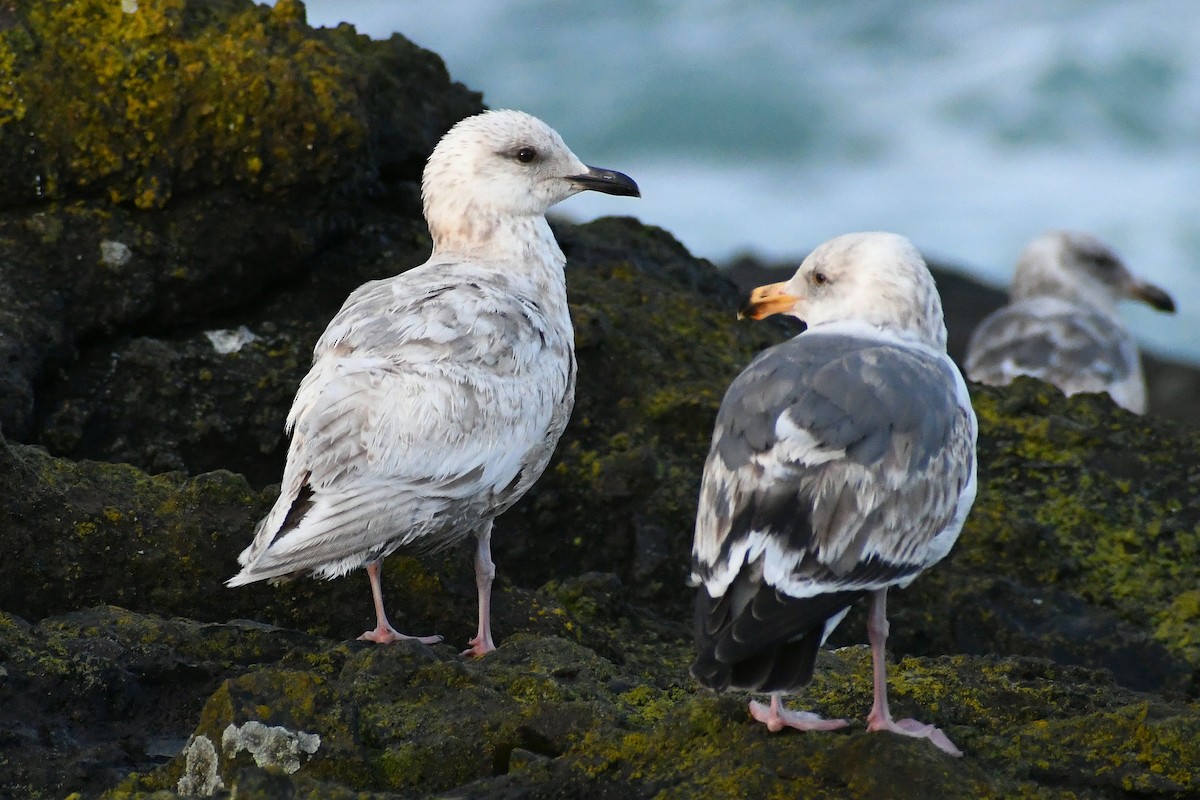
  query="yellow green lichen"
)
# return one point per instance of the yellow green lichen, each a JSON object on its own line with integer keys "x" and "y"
{"x": 1177, "y": 624}
{"x": 12, "y": 105}
{"x": 164, "y": 98}
{"x": 1061, "y": 503}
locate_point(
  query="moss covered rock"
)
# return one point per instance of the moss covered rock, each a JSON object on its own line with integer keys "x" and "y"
{"x": 185, "y": 175}
{"x": 161, "y": 97}
{"x": 1091, "y": 512}
{"x": 92, "y": 694}
{"x": 169, "y": 160}
{"x": 79, "y": 534}
{"x": 545, "y": 717}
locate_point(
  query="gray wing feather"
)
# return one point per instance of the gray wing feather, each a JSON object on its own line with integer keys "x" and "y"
{"x": 1074, "y": 348}
{"x": 434, "y": 401}
{"x": 847, "y": 456}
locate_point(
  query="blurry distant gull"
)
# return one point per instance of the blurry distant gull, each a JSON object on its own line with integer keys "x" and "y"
{"x": 842, "y": 463}
{"x": 1061, "y": 324}
{"x": 436, "y": 397}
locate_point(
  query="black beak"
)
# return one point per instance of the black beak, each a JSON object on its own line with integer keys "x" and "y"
{"x": 607, "y": 181}
{"x": 1153, "y": 296}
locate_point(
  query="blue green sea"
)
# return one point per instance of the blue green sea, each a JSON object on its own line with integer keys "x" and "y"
{"x": 766, "y": 127}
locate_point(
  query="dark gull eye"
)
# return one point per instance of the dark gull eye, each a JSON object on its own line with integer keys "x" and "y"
{"x": 526, "y": 154}
{"x": 1107, "y": 262}
{"x": 820, "y": 278}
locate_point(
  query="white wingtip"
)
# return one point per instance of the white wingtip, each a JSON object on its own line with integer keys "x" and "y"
{"x": 241, "y": 579}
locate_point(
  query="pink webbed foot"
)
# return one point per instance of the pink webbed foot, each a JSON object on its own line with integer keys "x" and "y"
{"x": 880, "y": 718}
{"x": 915, "y": 729}
{"x": 386, "y": 634}
{"x": 480, "y": 646}
{"x": 776, "y": 718}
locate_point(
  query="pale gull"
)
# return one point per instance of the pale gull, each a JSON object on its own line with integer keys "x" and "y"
{"x": 436, "y": 397}
{"x": 842, "y": 463}
{"x": 1061, "y": 324}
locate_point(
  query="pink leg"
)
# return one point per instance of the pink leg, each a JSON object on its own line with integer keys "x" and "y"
{"x": 485, "y": 573}
{"x": 880, "y": 718}
{"x": 776, "y": 718}
{"x": 384, "y": 633}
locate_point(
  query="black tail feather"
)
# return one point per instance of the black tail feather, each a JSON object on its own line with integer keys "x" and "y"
{"x": 769, "y": 644}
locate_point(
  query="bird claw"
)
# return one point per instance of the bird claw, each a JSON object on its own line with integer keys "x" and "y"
{"x": 776, "y": 719}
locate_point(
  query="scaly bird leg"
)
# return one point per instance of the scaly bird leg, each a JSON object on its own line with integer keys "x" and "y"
{"x": 485, "y": 573}
{"x": 384, "y": 633}
{"x": 776, "y": 717}
{"x": 880, "y": 718}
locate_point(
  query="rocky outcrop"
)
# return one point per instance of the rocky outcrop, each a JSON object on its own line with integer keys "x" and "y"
{"x": 163, "y": 296}
{"x": 266, "y": 712}
{"x": 170, "y": 162}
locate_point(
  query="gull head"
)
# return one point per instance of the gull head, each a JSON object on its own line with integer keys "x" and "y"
{"x": 1079, "y": 268}
{"x": 503, "y": 165}
{"x": 879, "y": 279}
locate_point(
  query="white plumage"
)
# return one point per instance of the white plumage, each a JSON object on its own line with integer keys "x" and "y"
{"x": 1061, "y": 324}
{"x": 436, "y": 397}
{"x": 842, "y": 463}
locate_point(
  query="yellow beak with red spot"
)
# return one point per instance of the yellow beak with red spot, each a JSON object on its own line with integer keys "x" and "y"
{"x": 774, "y": 298}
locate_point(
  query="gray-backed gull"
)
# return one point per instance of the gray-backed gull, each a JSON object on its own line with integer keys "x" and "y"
{"x": 842, "y": 463}
{"x": 1061, "y": 324}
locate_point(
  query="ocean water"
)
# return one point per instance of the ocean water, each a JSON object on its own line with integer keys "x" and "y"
{"x": 766, "y": 126}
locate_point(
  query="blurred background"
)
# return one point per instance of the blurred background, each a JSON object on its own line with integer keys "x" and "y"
{"x": 766, "y": 127}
